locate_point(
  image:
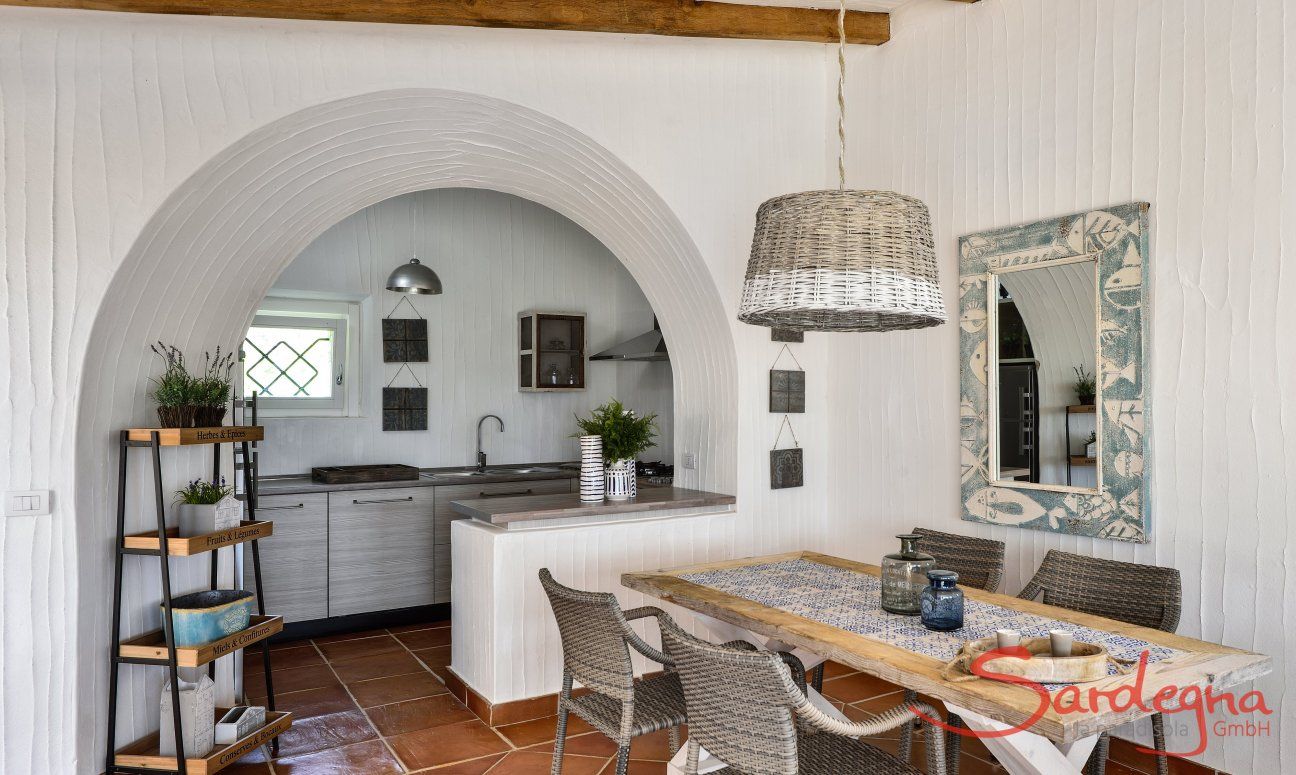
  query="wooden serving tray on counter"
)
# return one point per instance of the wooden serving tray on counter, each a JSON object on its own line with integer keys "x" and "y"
{"x": 360, "y": 474}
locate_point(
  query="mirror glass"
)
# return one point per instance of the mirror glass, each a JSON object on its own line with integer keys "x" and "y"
{"x": 1042, "y": 383}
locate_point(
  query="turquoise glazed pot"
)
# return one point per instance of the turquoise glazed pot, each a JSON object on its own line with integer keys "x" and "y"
{"x": 202, "y": 617}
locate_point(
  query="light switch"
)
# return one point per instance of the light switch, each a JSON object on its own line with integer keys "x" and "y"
{"x": 690, "y": 460}
{"x": 27, "y": 503}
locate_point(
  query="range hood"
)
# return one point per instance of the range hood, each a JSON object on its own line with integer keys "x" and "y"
{"x": 645, "y": 347}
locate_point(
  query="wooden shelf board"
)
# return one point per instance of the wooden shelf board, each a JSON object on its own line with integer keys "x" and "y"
{"x": 1081, "y": 409}
{"x": 191, "y": 545}
{"x": 179, "y": 437}
{"x": 544, "y": 350}
{"x": 152, "y": 645}
{"x": 1081, "y": 460}
{"x": 144, "y": 752}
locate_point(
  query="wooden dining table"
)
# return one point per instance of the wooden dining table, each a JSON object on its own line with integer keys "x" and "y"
{"x": 805, "y": 587}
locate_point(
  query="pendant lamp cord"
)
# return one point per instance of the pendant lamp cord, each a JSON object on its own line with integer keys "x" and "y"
{"x": 841, "y": 96}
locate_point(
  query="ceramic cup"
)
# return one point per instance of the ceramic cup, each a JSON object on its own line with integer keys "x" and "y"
{"x": 1060, "y": 641}
{"x": 1007, "y": 638}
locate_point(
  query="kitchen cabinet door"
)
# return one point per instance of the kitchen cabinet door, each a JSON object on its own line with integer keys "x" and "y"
{"x": 294, "y": 560}
{"x": 447, "y": 494}
{"x": 380, "y": 550}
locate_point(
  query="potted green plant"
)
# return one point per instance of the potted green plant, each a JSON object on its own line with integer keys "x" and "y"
{"x": 206, "y": 507}
{"x": 1085, "y": 386}
{"x": 1091, "y": 445}
{"x": 624, "y": 437}
{"x": 211, "y": 392}
{"x": 173, "y": 391}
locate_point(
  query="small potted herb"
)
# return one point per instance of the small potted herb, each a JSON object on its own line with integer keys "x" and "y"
{"x": 1085, "y": 387}
{"x": 211, "y": 392}
{"x": 624, "y": 437}
{"x": 206, "y": 507}
{"x": 173, "y": 391}
{"x": 1091, "y": 445}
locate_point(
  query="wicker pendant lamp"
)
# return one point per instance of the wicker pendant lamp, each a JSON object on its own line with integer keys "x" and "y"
{"x": 842, "y": 260}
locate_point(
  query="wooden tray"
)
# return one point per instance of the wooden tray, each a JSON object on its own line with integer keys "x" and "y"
{"x": 360, "y": 474}
{"x": 191, "y": 545}
{"x": 1088, "y": 662}
{"x": 152, "y": 645}
{"x": 144, "y": 752}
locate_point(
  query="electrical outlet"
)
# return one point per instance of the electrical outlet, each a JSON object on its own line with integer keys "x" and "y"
{"x": 690, "y": 460}
{"x": 27, "y": 503}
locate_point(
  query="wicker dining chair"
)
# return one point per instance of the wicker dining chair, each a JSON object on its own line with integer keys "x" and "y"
{"x": 746, "y": 710}
{"x": 596, "y": 641}
{"x": 979, "y": 563}
{"x": 1146, "y": 595}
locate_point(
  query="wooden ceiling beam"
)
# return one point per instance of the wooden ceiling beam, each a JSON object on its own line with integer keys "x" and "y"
{"x": 689, "y": 18}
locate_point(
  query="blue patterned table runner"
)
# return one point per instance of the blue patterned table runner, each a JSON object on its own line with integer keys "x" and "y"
{"x": 852, "y": 601}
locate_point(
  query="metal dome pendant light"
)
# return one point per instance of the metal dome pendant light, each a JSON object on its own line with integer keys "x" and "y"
{"x": 842, "y": 260}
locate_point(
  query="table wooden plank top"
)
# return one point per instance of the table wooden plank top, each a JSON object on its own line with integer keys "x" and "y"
{"x": 1199, "y": 664}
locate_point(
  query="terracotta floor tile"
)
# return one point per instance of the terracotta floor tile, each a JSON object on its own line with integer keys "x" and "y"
{"x": 443, "y": 745}
{"x": 360, "y": 647}
{"x": 641, "y": 767}
{"x": 860, "y": 686}
{"x": 314, "y": 702}
{"x": 396, "y": 688}
{"x": 377, "y": 666}
{"x": 419, "y": 626}
{"x": 654, "y": 747}
{"x": 436, "y": 658}
{"x": 425, "y": 639}
{"x": 296, "y": 679}
{"x": 470, "y": 767}
{"x": 413, "y": 715}
{"x": 289, "y": 644}
{"x": 836, "y": 670}
{"x": 282, "y": 659}
{"x": 319, "y": 733}
{"x": 253, "y": 768}
{"x": 592, "y": 744}
{"x": 370, "y": 758}
{"x": 542, "y": 730}
{"x": 535, "y": 763}
{"x": 351, "y": 636}
{"x": 879, "y": 704}
{"x": 972, "y": 765}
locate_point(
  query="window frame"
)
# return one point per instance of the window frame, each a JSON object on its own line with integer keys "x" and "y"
{"x": 341, "y": 317}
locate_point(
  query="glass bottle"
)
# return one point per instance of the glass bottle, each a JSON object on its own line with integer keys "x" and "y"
{"x": 554, "y": 375}
{"x": 942, "y": 602}
{"x": 904, "y": 575}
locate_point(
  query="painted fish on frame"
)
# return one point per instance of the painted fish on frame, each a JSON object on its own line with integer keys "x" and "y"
{"x": 1112, "y": 373}
{"x": 977, "y": 362}
{"x": 1128, "y": 416}
{"x": 1004, "y": 506}
{"x": 973, "y": 320}
{"x": 1129, "y": 464}
{"x": 1109, "y": 331}
{"x": 1122, "y": 529}
{"x": 1125, "y": 286}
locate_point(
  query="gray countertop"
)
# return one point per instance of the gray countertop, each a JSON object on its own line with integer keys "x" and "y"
{"x": 528, "y": 508}
{"x": 428, "y": 477}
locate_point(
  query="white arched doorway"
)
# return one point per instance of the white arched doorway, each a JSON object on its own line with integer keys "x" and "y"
{"x": 208, "y": 256}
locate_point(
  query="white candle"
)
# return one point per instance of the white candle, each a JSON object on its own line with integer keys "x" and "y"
{"x": 1008, "y": 638}
{"x": 1060, "y": 641}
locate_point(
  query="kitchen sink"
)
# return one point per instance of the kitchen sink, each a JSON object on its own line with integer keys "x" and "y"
{"x": 534, "y": 470}
{"x": 468, "y": 474}
{"x": 439, "y": 474}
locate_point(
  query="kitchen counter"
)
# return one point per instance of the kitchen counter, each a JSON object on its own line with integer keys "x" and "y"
{"x": 540, "y": 510}
{"x": 428, "y": 477}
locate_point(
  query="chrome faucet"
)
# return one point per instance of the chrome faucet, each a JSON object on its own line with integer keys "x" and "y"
{"x": 481, "y": 456}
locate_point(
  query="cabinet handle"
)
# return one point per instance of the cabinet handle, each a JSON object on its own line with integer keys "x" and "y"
{"x": 386, "y": 500}
{"x": 281, "y": 508}
{"x": 502, "y": 494}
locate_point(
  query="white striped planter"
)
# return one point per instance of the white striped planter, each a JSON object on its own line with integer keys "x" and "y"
{"x": 591, "y": 471}
{"x": 621, "y": 484}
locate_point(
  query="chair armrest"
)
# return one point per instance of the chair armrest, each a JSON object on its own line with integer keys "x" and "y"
{"x": 637, "y": 643}
{"x": 891, "y": 719}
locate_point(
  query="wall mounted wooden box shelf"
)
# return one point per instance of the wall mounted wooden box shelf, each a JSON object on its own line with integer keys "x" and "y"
{"x": 152, "y": 645}
{"x": 181, "y": 437}
{"x": 143, "y": 754}
{"x": 191, "y": 545}
{"x": 551, "y": 343}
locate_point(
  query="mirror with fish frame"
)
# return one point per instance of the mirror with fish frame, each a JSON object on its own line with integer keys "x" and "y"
{"x": 1042, "y": 307}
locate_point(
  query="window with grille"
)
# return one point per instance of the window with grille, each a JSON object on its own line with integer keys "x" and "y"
{"x": 296, "y": 365}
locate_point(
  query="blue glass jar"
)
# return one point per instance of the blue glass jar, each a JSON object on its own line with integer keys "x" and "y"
{"x": 942, "y": 601}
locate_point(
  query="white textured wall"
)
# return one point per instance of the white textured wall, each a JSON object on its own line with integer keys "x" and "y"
{"x": 496, "y": 255}
{"x": 159, "y": 172}
{"x": 1008, "y": 111}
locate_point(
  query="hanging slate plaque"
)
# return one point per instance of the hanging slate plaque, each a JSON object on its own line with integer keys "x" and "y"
{"x": 786, "y": 468}
{"x": 787, "y": 392}
{"x": 405, "y": 409}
